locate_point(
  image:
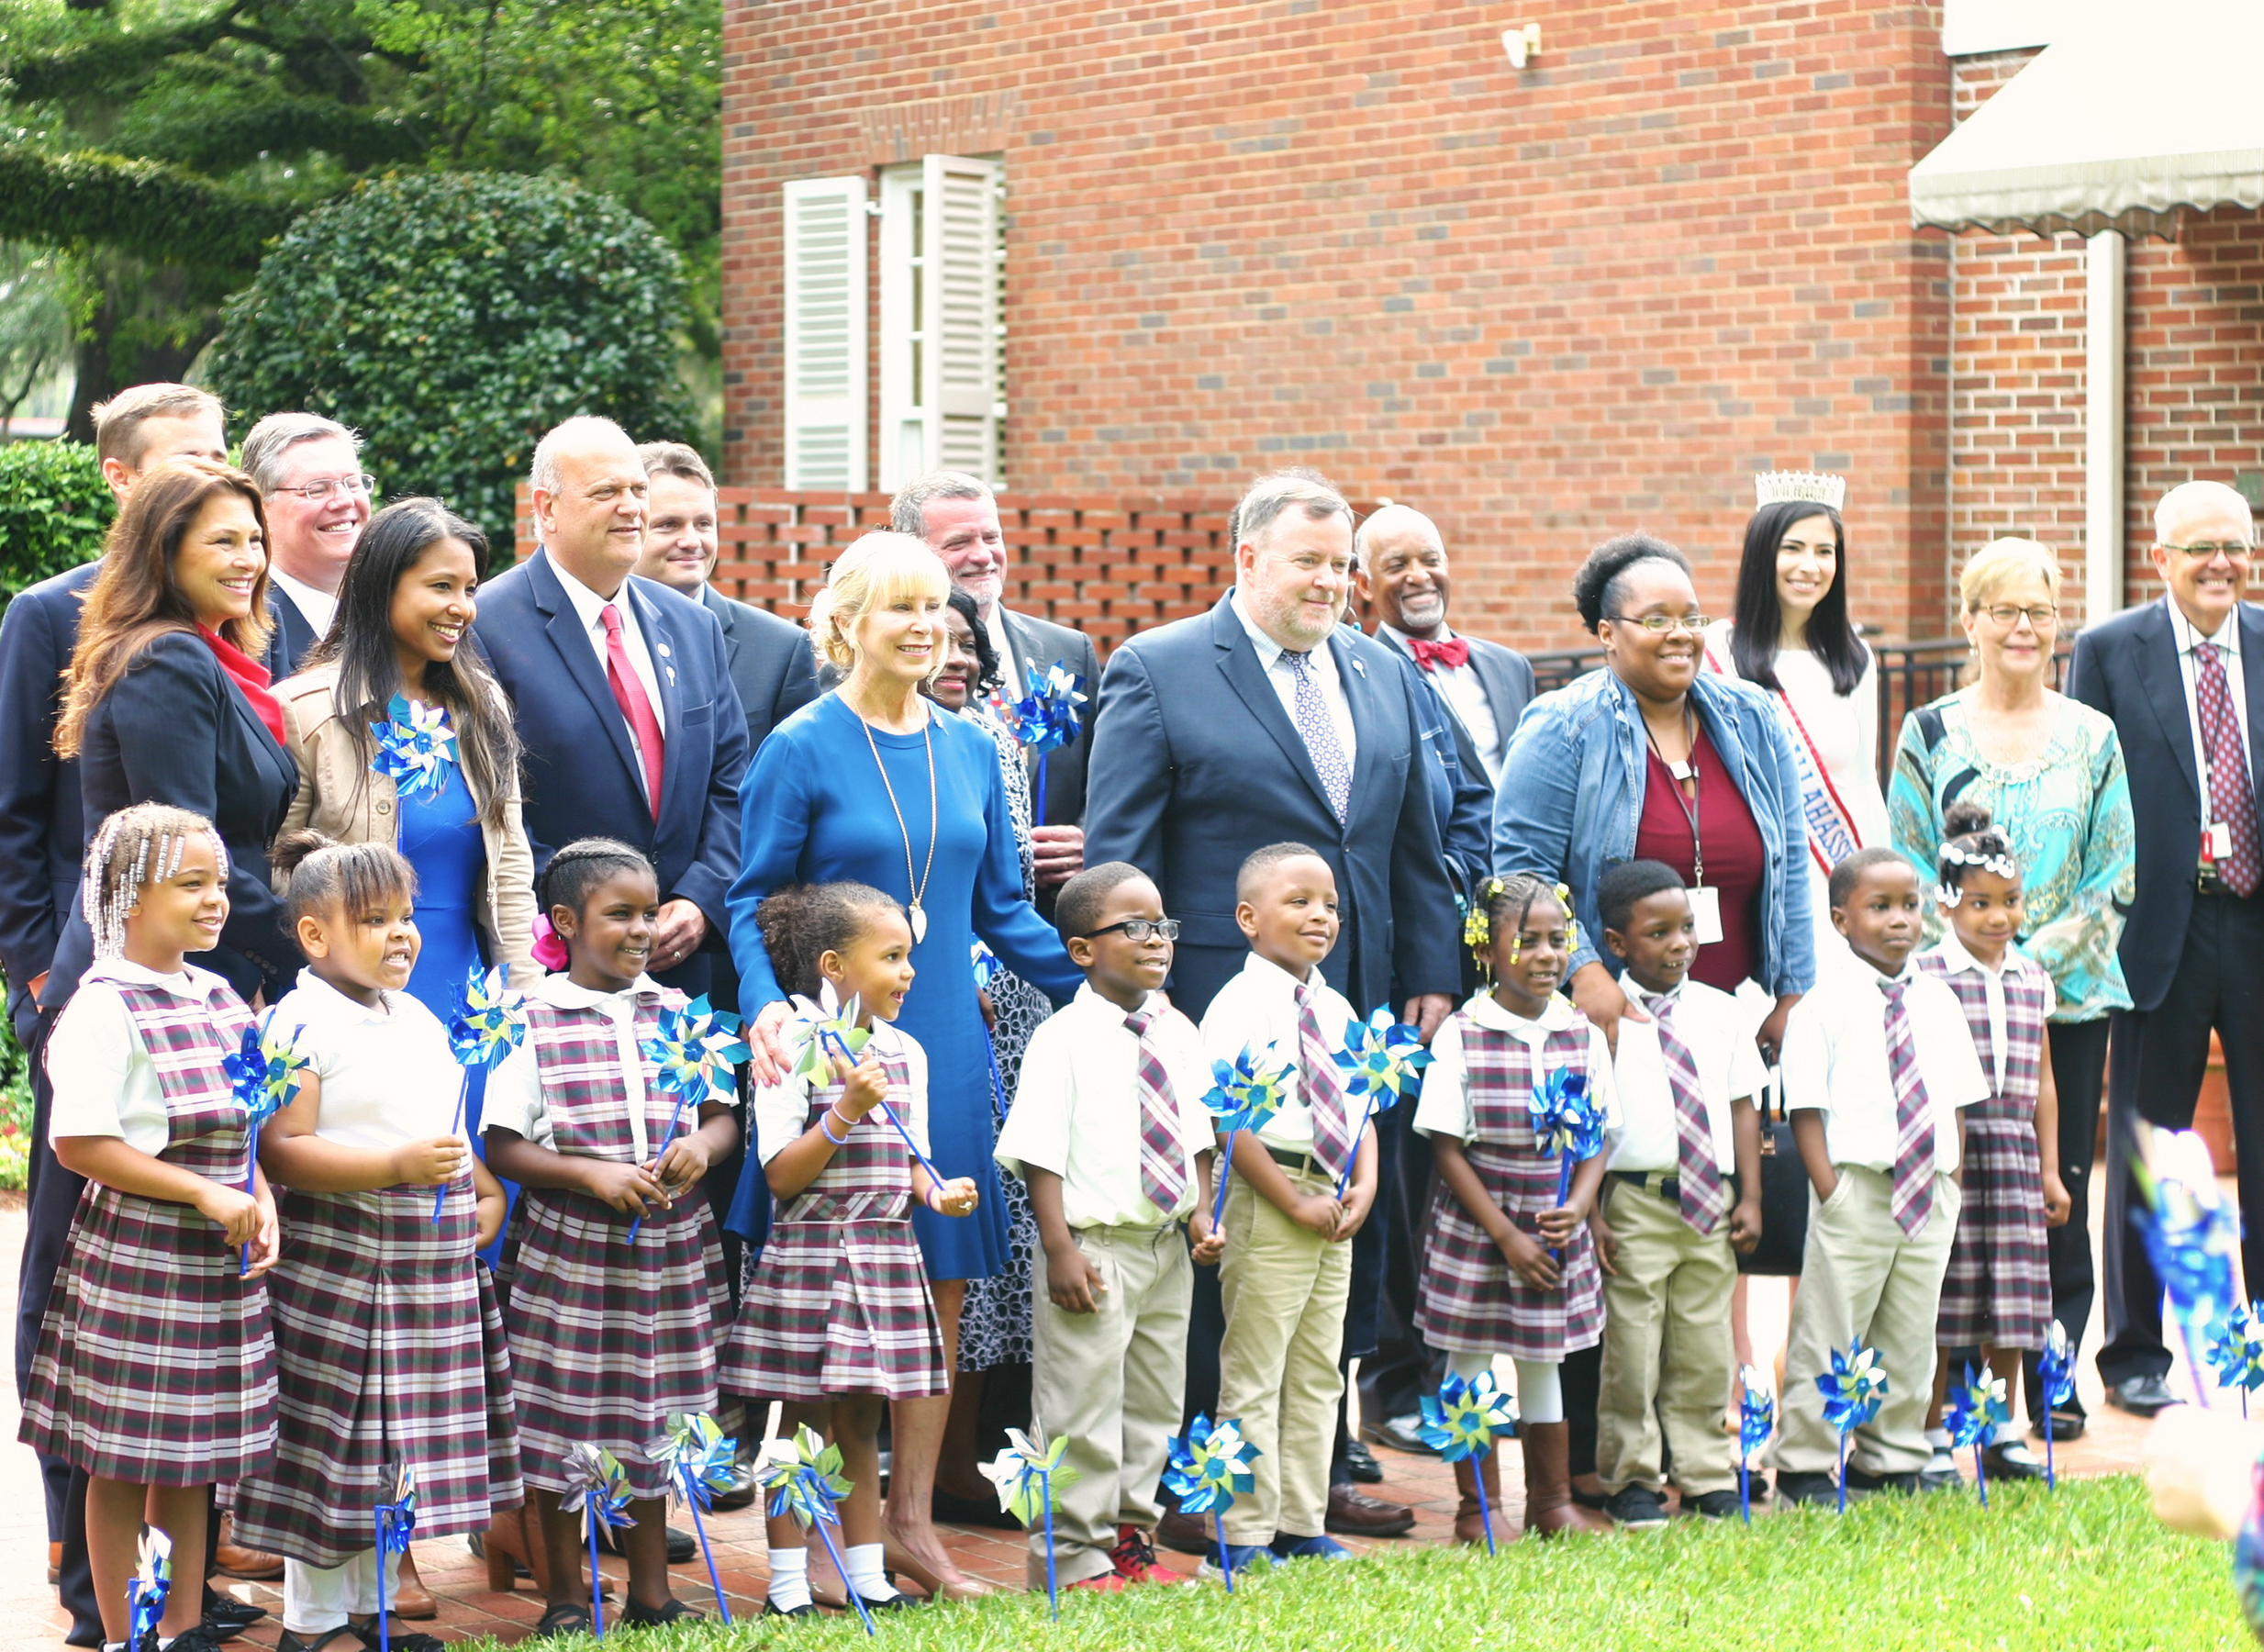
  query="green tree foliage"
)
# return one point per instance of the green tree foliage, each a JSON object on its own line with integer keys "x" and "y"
{"x": 452, "y": 319}
{"x": 54, "y": 509}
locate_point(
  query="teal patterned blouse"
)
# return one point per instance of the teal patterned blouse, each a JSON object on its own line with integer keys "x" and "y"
{"x": 2068, "y": 815}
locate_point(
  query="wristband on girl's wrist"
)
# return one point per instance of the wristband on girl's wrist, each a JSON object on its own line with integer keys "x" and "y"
{"x": 824, "y": 1128}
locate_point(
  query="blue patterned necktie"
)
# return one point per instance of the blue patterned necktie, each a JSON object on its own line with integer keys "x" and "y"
{"x": 1318, "y": 730}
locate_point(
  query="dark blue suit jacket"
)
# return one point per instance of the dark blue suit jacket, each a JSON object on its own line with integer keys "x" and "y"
{"x": 294, "y": 635}
{"x": 1195, "y": 763}
{"x": 772, "y": 663}
{"x": 2127, "y": 667}
{"x": 581, "y": 778}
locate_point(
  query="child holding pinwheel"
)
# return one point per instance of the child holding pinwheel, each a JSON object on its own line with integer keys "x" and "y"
{"x": 611, "y": 1265}
{"x": 1516, "y": 1074}
{"x": 1288, "y": 1265}
{"x": 1109, "y": 1130}
{"x": 837, "y": 1318}
{"x": 372, "y": 1295}
{"x": 1877, "y": 1068}
{"x": 155, "y": 1368}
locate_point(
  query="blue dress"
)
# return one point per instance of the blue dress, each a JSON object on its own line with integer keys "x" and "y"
{"x": 813, "y": 809}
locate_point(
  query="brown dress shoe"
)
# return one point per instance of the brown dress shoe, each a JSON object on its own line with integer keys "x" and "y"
{"x": 1186, "y": 1533}
{"x": 411, "y": 1600}
{"x": 1470, "y": 1473}
{"x": 253, "y": 1565}
{"x": 1549, "y": 1509}
{"x": 1354, "y": 1513}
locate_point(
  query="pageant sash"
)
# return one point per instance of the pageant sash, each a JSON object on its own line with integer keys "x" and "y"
{"x": 1831, "y": 829}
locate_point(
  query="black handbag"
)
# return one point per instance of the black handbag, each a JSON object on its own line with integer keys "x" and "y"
{"x": 1784, "y": 1195}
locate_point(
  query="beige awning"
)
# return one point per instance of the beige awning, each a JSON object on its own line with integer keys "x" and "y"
{"x": 2131, "y": 116}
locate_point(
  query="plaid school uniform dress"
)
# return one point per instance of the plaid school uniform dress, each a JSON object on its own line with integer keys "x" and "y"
{"x": 1999, "y": 1287}
{"x": 156, "y": 1364}
{"x": 839, "y": 1303}
{"x": 1470, "y": 1299}
{"x": 608, "y": 1340}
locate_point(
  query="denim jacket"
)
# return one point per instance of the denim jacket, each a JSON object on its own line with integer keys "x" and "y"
{"x": 1572, "y": 800}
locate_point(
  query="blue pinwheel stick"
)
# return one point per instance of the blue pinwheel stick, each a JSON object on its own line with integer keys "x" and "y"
{"x": 597, "y": 1487}
{"x": 1977, "y": 1408}
{"x": 1048, "y": 718}
{"x": 804, "y": 1479}
{"x": 700, "y": 1457}
{"x": 485, "y": 1022}
{"x": 1461, "y": 1421}
{"x": 695, "y": 1054}
{"x": 394, "y": 1518}
{"x": 1207, "y": 1469}
{"x": 2056, "y": 1365}
{"x": 1382, "y": 1061}
{"x": 986, "y": 964}
{"x": 265, "y": 1073}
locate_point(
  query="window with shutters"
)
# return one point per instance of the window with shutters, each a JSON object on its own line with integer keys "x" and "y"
{"x": 827, "y": 296}
{"x": 942, "y": 330}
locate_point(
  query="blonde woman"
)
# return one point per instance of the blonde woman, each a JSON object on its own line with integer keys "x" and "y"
{"x": 872, "y": 783}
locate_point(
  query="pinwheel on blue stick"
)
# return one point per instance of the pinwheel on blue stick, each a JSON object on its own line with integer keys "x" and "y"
{"x": 2237, "y": 1352}
{"x": 265, "y": 1073}
{"x": 1382, "y": 1062}
{"x": 2055, "y": 1366}
{"x": 696, "y": 1052}
{"x": 394, "y": 1519}
{"x": 1244, "y": 1094}
{"x": 1047, "y": 718}
{"x": 416, "y": 750}
{"x": 1977, "y": 1408}
{"x": 987, "y": 970}
{"x": 834, "y": 1031}
{"x": 1757, "y": 1419}
{"x": 1852, "y": 1389}
{"x": 1025, "y": 1476}
{"x": 1566, "y": 1121}
{"x": 803, "y": 1478}
{"x": 146, "y": 1590}
{"x": 598, "y": 1486}
{"x": 2192, "y": 1236}
{"x": 485, "y": 1022}
{"x": 1461, "y": 1421}
{"x": 700, "y": 1458}
{"x": 1208, "y": 1469}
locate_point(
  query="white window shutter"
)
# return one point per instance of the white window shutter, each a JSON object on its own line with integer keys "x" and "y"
{"x": 825, "y": 334}
{"x": 962, "y": 385}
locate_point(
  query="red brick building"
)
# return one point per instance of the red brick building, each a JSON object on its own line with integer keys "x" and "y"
{"x": 1124, "y": 257}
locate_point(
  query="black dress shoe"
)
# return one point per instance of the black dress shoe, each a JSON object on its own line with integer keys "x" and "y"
{"x": 2142, "y": 1396}
{"x": 1186, "y": 1534}
{"x": 1354, "y": 1513}
{"x": 1401, "y": 1433}
{"x": 1797, "y": 1487}
{"x": 1863, "y": 1480}
{"x": 2066, "y": 1425}
{"x": 1361, "y": 1464}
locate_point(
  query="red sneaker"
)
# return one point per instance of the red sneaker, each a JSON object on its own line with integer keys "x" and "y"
{"x": 1106, "y": 1583}
{"x": 1136, "y": 1558}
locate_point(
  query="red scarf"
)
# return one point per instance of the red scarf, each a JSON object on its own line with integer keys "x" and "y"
{"x": 250, "y": 679}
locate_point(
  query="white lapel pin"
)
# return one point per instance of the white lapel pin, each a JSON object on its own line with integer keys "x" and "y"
{"x": 664, "y": 653}
{"x": 672, "y": 673}
{"x": 1360, "y": 666}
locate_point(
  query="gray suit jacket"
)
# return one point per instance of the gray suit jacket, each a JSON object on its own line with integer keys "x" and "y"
{"x": 1503, "y": 673}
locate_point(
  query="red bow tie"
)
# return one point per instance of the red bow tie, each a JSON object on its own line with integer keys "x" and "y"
{"x": 1455, "y": 651}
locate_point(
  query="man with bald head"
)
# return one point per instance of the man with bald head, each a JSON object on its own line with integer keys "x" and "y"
{"x": 630, "y": 725}
{"x": 2184, "y": 680}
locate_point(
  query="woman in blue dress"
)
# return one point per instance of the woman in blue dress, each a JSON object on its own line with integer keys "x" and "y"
{"x": 872, "y": 782}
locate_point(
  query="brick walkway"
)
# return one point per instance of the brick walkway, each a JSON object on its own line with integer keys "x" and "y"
{"x": 2114, "y": 1444}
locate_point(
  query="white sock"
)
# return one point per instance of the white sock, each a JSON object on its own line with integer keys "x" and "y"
{"x": 789, "y": 1578}
{"x": 1939, "y": 1438}
{"x": 867, "y": 1574}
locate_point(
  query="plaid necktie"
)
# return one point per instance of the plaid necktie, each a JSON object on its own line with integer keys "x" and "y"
{"x": 1163, "y": 1166}
{"x": 1913, "y": 1199}
{"x": 1705, "y": 1195}
{"x": 1324, "y": 1086}
{"x": 1318, "y": 730}
{"x": 2232, "y": 798}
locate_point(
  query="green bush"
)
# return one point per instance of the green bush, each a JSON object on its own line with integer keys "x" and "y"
{"x": 452, "y": 319}
{"x": 54, "y": 509}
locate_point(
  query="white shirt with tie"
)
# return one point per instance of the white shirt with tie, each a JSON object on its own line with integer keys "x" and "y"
{"x": 1465, "y": 696}
{"x": 1002, "y": 644}
{"x": 1256, "y": 1011}
{"x": 318, "y": 608}
{"x": 590, "y": 608}
{"x": 2227, "y": 641}
{"x": 1718, "y": 1032}
{"x": 1281, "y": 673}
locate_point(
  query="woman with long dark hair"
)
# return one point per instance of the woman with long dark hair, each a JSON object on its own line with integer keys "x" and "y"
{"x": 1792, "y": 636}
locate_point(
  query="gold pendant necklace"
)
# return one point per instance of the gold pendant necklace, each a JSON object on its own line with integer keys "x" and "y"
{"x": 918, "y": 887}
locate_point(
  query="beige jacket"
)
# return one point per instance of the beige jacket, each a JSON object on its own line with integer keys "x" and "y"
{"x": 342, "y": 799}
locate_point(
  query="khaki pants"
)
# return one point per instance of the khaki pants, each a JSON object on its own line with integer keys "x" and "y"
{"x": 1112, "y": 1381}
{"x": 1861, "y": 1276}
{"x": 1284, "y": 1289}
{"x": 1667, "y": 1357}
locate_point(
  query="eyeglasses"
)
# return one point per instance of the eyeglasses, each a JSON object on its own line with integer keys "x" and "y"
{"x": 1137, "y": 929}
{"x": 2207, "y": 553}
{"x": 2042, "y": 616}
{"x": 320, "y": 493}
{"x": 1659, "y": 625}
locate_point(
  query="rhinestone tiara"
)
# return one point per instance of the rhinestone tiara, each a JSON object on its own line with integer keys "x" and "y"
{"x": 1813, "y": 487}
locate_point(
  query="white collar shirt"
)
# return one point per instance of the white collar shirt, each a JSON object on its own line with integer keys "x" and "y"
{"x": 389, "y": 1077}
{"x": 1957, "y": 960}
{"x": 589, "y": 607}
{"x": 318, "y": 606}
{"x": 515, "y": 1089}
{"x": 1446, "y": 1108}
{"x": 1465, "y": 693}
{"x": 103, "y": 1078}
{"x": 1281, "y": 673}
{"x": 1718, "y": 1032}
{"x": 1835, "y": 1061}
{"x": 1256, "y": 1011}
{"x": 1011, "y": 684}
{"x": 2227, "y": 641}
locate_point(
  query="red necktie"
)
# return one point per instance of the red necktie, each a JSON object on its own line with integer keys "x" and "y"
{"x": 628, "y": 693}
{"x": 2232, "y": 798}
{"x": 1455, "y": 651}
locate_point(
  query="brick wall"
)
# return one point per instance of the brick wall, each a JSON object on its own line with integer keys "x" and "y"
{"x": 1545, "y": 306}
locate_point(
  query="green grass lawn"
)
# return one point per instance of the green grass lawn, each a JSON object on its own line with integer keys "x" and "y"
{"x": 2087, "y": 1568}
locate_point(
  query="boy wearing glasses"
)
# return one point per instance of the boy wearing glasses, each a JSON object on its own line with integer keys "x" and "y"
{"x": 1110, "y": 1133}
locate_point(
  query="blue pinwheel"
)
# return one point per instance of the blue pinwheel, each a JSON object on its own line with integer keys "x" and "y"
{"x": 1757, "y": 1420}
{"x": 394, "y": 1519}
{"x": 2192, "y": 1236}
{"x": 696, "y": 1052}
{"x": 1243, "y": 1095}
{"x": 146, "y": 1590}
{"x": 1025, "y": 1476}
{"x": 700, "y": 1458}
{"x": 834, "y": 1031}
{"x": 598, "y": 1486}
{"x": 2055, "y": 1366}
{"x": 1461, "y": 1421}
{"x": 1567, "y": 1122}
{"x": 2237, "y": 1352}
{"x": 1382, "y": 1062}
{"x": 1208, "y": 1469}
{"x": 416, "y": 749}
{"x": 1977, "y": 1407}
{"x": 1046, "y": 719}
{"x": 486, "y": 1021}
{"x": 264, "y": 1073}
{"x": 1852, "y": 1389}
{"x": 803, "y": 1477}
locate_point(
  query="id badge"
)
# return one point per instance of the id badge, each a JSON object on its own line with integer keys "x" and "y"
{"x": 2217, "y": 840}
{"x": 1706, "y": 911}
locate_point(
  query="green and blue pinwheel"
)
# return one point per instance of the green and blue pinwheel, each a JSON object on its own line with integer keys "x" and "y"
{"x": 1245, "y": 1093}
{"x": 486, "y": 1021}
{"x": 598, "y": 1488}
{"x": 264, "y": 1073}
{"x": 802, "y": 1477}
{"x": 1462, "y": 1421}
{"x": 416, "y": 749}
{"x": 394, "y": 1517}
{"x": 1207, "y": 1469}
{"x": 2237, "y": 1352}
{"x": 1026, "y": 1476}
{"x": 2055, "y": 1366}
{"x": 700, "y": 1458}
{"x": 1757, "y": 1420}
{"x": 1977, "y": 1407}
{"x": 1382, "y": 1062}
{"x": 2192, "y": 1235}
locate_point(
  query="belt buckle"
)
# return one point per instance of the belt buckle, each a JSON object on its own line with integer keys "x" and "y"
{"x": 2208, "y": 880}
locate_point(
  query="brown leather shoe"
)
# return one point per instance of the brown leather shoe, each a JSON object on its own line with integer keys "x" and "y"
{"x": 230, "y": 1557}
{"x": 1354, "y": 1513}
{"x": 1549, "y": 1509}
{"x": 1469, "y": 1522}
{"x": 1186, "y": 1534}
{"x": 412, "y": 1600}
